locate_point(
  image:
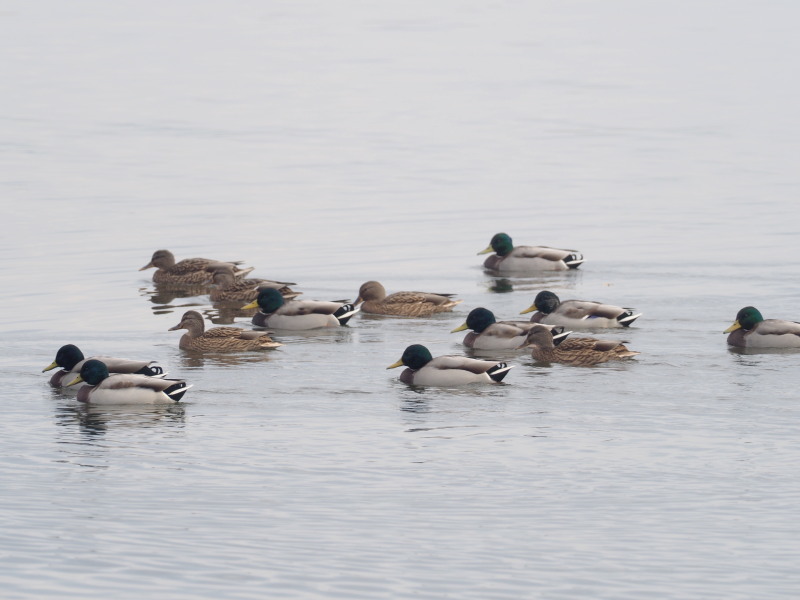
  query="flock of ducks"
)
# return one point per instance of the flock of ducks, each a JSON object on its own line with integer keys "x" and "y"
{"x": 108, "y": 380}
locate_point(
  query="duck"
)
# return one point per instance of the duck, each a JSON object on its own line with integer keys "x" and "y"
{"x": 489, "y": 334}
{"x": 229, "y": 288}
{"x": 373, "y": 300}
{"x": 526, "y": 259}
{"x": 189, "y": 271}
{"x": 298, "y": 315}
{"x": 578, "y": 314}
{"x": 423, "y": 369}
{"x": 70, "y": 358}
{"x": 752, "y": 330}
{"x": 124, "y": 388}
{"x": 220, "y": 339}
{"x": 580, "y": 352}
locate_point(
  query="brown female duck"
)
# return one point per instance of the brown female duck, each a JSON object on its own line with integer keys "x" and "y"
{"x": 189, "y": 271}
{"x": 220, "y": 339}
{"x": 373, "y": 299}
{"x": 580, "y": 352}
{"x": 229, "y": 288}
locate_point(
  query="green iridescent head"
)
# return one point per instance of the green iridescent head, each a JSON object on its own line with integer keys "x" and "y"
{"x": 93, "y": 372}
{"x": 501, "y": 244}
{"x": 67, "y": 357}
{"x": 546, "y": 302}
{"x": 269, "y": 300}
{"x": 414, "y": 357}
{"x": 746, "y": 319}
{"x": 479, "y": 319}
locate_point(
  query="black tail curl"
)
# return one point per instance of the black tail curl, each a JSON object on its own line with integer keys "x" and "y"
{"x": 498, "y": 371}
{"x": 345, "y": 313}
{"x": 177, "y": 390}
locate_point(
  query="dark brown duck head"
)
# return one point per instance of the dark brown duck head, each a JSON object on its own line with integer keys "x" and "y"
{"x": 162, "y": 259}
{"x": 371, "y": 291}
{"x": 192, "y": 321}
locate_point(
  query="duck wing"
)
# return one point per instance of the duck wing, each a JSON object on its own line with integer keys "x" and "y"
{"x": 192, "y": 265}
{"x": 508, "y": 329}
{"x": 419, "y": 297}
{"x": 461, "y": 363}
{"x": 122, "y": 381}
{"x": 593, "y": 346}
{"x": 126, "y": 365}
{"x": 777, "y": 327}
{"x": 308, "y": 307}
{"x": 249, "y": 334}
{"x": 582, "y": 309}
{"x": 224, "y": 332}
{"x": 545, "y": 252}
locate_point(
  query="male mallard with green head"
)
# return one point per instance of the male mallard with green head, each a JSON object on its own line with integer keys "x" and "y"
{"x": 508, "y": 258}
{"x": 298, "y": 315}
{"x": 489, "y": 334}
{"x": 70, "y": 358}
{"x": 105, "y": 388}
{"x": 423, "y": 369}
{"x": 751, "y": 330}
{"x": 578, "y": 314}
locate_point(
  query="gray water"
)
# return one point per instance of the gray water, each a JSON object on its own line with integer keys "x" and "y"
{"x": 332, "y": 143}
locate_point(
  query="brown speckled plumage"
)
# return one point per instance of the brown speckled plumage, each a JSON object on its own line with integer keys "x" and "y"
{"x": 219, "y": 339}
{"x": 189, "y": 270}
{"x": 581, "y": 352}
{"x": 230, "y": 289}
{"x": 407, "y": 304}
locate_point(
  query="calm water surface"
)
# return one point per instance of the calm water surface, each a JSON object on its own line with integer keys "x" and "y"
{"x": 333, "y": 143}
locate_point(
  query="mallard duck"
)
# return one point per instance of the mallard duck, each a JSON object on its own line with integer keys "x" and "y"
{"x": 524, "y": 259}
{"x": 298, "y": 315}
{"x": 581, "y": 352}
{"x": 189, "y": 270}
{"x": 751, "y": 330}
{"x": 373, "y": 299}
{"x": 219, "y": 339}
{"x": 104, "y": 388}
{"x": 71, "y": 359}
{"x": 489, "y": 334}
{"x": 577, "y": 314}
{"x": 423, "y": 369}
{"x": 229, "y": 288}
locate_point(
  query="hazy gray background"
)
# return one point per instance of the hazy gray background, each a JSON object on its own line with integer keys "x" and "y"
{"x": 331, "y": 143}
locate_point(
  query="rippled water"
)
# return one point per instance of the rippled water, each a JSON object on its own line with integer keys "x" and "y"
{"x": 329, "y": 144}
